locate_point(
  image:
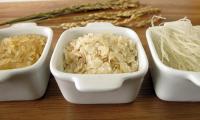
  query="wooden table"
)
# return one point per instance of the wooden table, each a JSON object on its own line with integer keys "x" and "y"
{"x": 147, "y": 106}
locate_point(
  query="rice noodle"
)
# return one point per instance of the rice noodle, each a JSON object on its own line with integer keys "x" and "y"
{"x": 178, "y": 44}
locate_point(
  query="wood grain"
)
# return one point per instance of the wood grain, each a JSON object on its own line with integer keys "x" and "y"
{"x": 52, "y": 105}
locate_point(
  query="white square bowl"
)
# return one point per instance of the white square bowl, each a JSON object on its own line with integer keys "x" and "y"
{"x": 171, "y": 84}
{"x": 98, "y": 88}
{"x": 27, "y": 83}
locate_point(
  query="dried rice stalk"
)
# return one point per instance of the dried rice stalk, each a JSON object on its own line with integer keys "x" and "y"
{"x": 112, "y": 4}
{"x": 115, "y": 15}
{"x": 143, "y": 23}
{"x": 125, "y": 23}
{"x": 128, "y": 18}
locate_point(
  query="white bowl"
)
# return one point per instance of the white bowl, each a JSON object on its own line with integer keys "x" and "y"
{"x": 27, "y": 83}
{"x": 98, "y": 88}
{"x": 172, "y": 84}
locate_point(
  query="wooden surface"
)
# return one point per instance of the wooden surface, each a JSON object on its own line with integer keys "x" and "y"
{"x": 147, "y": 106}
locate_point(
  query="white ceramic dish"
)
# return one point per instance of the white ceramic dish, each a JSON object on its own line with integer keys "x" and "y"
{"x": 98, "y": 88}
{"x": 172, "y": 84}
{"x": 30, "y": 82}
